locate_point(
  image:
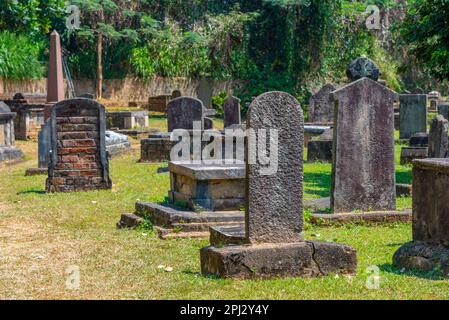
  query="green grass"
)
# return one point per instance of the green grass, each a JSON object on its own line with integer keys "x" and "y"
{"x": 41, "y": 235}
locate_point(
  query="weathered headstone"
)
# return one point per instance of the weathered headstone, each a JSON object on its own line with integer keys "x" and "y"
{"x": 363, "y": 172}
{"x": 321, "y": 108}
{"x": 413, "y": 114}
{"x": 418, "y": 148}
{"x": 55, "y": 81}
{"x": 8, "y": 150}
{"x": 79, "y": 160}
{"x": 182, "y": 112}
{"x": 438, "y": 137}
{"x": 205, "y": 91}
{"x": 273, "y": 228}
{"x": 429, "y": 249}
{"x": 231, "y": 112}
{"x": 320, "y": 148}
{"x": 443, "y": 109}
{"x": 363, "y": 67}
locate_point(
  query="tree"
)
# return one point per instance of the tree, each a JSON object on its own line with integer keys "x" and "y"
{"x": 105, "y": 21}
{"x": 426, "y": 30}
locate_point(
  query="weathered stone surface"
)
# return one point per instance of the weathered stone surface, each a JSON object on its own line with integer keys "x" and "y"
{"x": 365, "y": 218}
{"x": 36, "y": 172}
{"x": 363, "y": 173}
{"x": 320, "y": 148}
{"x": 420, "y": 139}
{"x": 443, "y": 109}
{"x": 182, "y": 112}
{"x": 274, "y": 202}
{"x": 430, "y": 205}
{"x": 79, "y": 160}
{"x": 55, "y": 81}
{"x": 228, "y": 235}
{"x": 231, "y": 112}
{"x": 438, "y": 137}
{"x": 127, "y": 119}
{"x": 204, "y": 91}
{"x": 116, "y": 143}
{"x": 413, "y": 114}
{"x": 363, "y": 67}
{"x": 422, "y": 256}
{"x": 409, "y": 154}
{"x": 8, "y": 150}
{"x": 309, "y": 259}
{"x": 321, "y": 108}
{"x": 129, "y": 220}
{"x": 44, "y": 145}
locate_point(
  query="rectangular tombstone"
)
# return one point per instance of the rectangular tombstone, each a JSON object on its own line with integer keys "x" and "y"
{"x": 321, "y": 108}
{"x": 438, "y": 137}
{"x": 79, "y": 160}
{"x": 363, "y": 172}
{"x": 182, "y": 112}
{"x": 231, "y": 112}
{"x": 413, "y": 114}
{"x": 274, "y": 200}
{"x": 430, "y": 205}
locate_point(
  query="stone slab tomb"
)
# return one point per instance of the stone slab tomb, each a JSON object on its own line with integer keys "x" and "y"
{"x": 438, "y": 137}
{"x": 273, "y": 243}
{"x": 8, "y": 150}
{"x": 127, "y": 120}
{"x": 413, "y": 115}
{"x": 79, "y": 160}
{"x": 321, "y": 108}
{"x": 231, "y": 112}
{"x": 363, "y": 171}
{"x": 429, "y": 250}
{"x": 418, "y": 148}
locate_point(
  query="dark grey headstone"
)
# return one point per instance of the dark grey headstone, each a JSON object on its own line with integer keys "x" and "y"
{"x": 321, "y": 108}
{"x": 231, "y": 112}
{"x": 413, "y": 114}
{"x": 205, "y": 91}
{"x": 438, "y": 137}
{"x": 274, "y": 202}
{"x": 363, "y": 67}
{"x": 363, "y": 173}
{"x": 44, "y": 145}
{"x": 443, "y": 109}
{"x": 420, "y": 139}
{"x": 182, "y": 112}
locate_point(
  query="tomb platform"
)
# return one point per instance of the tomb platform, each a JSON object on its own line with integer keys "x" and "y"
{"x": 127, "y": 119}
{"x": 270, "y": 260}
{"x": 201, "y": 196}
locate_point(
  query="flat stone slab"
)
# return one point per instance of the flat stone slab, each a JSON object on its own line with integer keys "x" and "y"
{"x": 383, "y": 217}
{"x": 10, "y": 153}
{"x": 228, "y": 235}
{"x": 306, "y": 259}
{"x": 208, "y": 172}
{"x": 36, "y": 172}
{"x": 421, "y": 256}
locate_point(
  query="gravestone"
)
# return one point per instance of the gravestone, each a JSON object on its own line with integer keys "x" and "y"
{"x": 78, "y": 157}
{"x": 8, "y": 150}
{"x": 429, "y": 250}
{"x": 321, "y": 108}
{"x": 204, "y": 91}
{"x": 418, "y": 90}
{"x": 418, "y": 148}
{"x": 363, "y": 171}
{"x": 176, "y": 94}
{"x": 363, "y": 67}
{"x": 443, "y": 109}
{"x": 273, "y": 245}
{"x": 55, "y": 81}
{"x": 320, "y": 148}
{"x": 438, "y": 137}
{"x": 231, "y": 112}
{"x": 413, "y": 114}
{"x": 182, "y": 112}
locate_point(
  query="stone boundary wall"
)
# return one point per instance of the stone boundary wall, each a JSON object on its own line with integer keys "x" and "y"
{"x": 126, "y": 90}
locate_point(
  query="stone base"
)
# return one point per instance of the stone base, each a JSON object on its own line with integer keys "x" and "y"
{"x": 118, "y": 149}
{"x": 302, "y": 259}
{"x": 228, "y": 235}
{"x": 383, "y": 217}
{"x": 409, "y": 154}
{"x": 171, "y": 220}
{"x": 421, "y": 256}
{"x": 10, "y": 153}
{"x": 155, "y": 149}
{"x": 36, "y": 172}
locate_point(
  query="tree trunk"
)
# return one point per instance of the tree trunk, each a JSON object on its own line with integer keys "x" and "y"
{"x": 99, "y": 66}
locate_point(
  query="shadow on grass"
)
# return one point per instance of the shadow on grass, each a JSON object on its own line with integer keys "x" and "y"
{"x": 317, "y": 184}
{"x": 434, "y": 275}
{"x": 403, "y": 177}
{"x": 31, "y": 191}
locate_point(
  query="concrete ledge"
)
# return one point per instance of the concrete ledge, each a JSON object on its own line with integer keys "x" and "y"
{"x": 421, "y": 256}
{"x": 209, "y": 172}
{"x": 227, "y": 235}
{"x": 362, "y": 218}
{"x": 305, "y": 259}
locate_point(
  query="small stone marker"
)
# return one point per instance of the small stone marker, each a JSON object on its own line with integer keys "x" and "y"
{"x": 413, "y": 114}
{"x": 274, "y": 215}
{"x": 321, "y": 108}
{"x": 363, "y": 67}
{"x": 429, "y": 249}
{"x": 182, "y": 112}
{"x": 363, "y": 172}
{"x": 272, "y": 245}
{"x": 231, "y": 112}
{"x": 438, "y": 137}
{"x": 79, "y": 160}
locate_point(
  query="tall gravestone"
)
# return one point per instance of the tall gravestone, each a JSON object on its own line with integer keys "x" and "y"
{"x": 182, "y": 112}
{"x": 205, "y": 91}
{"x": 438, "y": 138}
{"x": 321, "y": 108}
{"x": 274, "y": 205}
{"x": 363, "y": 172}
{"x": 429, "y": 250}
{"x": 79, "y": 161}
{"x": 231, "y": 112}
{"x": 412, "y": 114}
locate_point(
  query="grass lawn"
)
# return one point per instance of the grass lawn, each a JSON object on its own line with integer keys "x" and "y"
{"x": 41, "y": 235}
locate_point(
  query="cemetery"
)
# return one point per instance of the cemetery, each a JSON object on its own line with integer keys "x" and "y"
{"x": 198, "y": 163}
